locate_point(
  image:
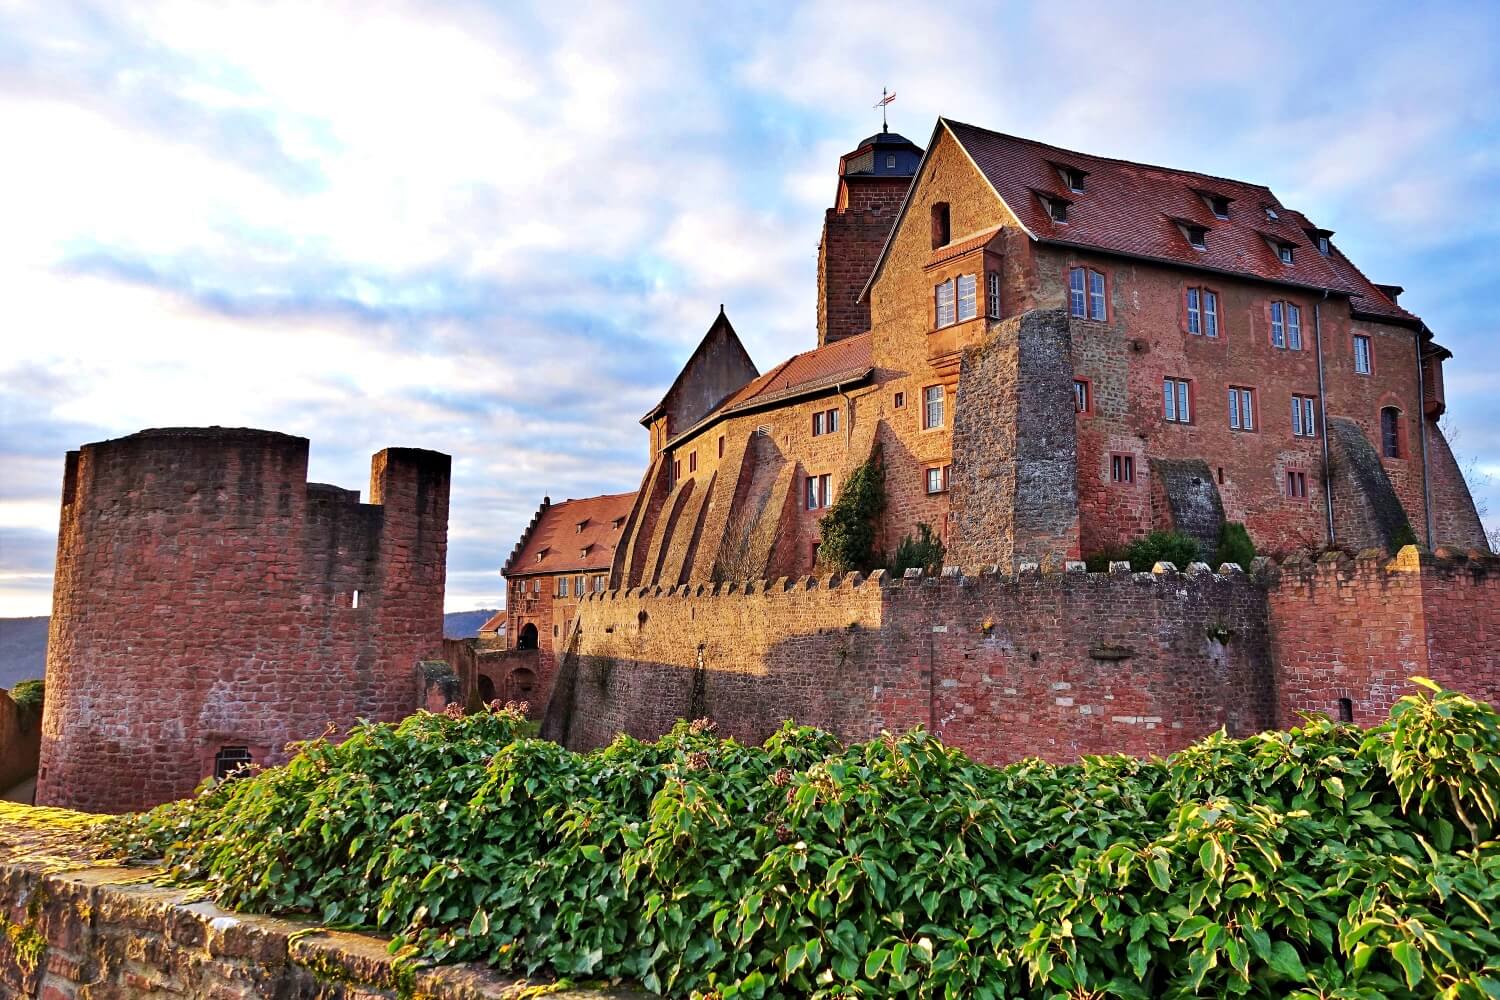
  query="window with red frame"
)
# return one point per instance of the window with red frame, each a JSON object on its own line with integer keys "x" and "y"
{"x": 693, "y": 461}
{"x": 1086, "y": 293}
{"x": 825, "y": 422}
{"x": 1203, "y": 312}
{"x": 1286, "y": 326}
{"x": 1121, "y": 468}
{"x": 937, "y": 479}
{"x": 721, "y": 446}
{"x": 1177, "y": 400}
{"x": 1363, "y": 355}
{"x": 1390, "y": 432}
{"x": 1296, "y": 484}
{"x": 1241, "y": 408}
{"x": 1082, "y": 395}
{"x": 1304, "y": 416}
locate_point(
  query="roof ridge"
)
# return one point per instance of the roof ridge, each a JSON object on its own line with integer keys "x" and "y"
{"x": 1112, "y": 159}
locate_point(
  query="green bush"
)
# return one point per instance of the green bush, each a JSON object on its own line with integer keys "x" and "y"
{"x": 1320, "y": 862}
{"x": 28, "y": 697}
{"x": 926, "y": 549}
{"x": 1234, "y": 546}
{"x": 1402, "y": 537}
{"x": 1162, "y": 546}
{"x": 847, "y": 531}
{"x": 1099, "y": 561}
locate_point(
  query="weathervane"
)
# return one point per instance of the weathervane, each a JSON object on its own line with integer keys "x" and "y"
{"x": 885, "y": 99}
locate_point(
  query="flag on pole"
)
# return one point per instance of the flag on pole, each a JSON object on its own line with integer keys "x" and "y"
{"x": 885, "y": 99}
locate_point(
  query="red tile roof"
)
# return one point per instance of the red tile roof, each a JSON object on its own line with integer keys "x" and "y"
{"x": 557, "y": 544}
{"x": 496, "y": 623}
{"x": 1135, "y": 209}
{"x": 955, "y": 250}
{"x": 843, "y": 359}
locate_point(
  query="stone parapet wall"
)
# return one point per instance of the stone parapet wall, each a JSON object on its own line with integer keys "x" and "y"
{"x": 74, "y": 928}
{"x": 1054, "y": 664}
{"x": 1006, "y": 666}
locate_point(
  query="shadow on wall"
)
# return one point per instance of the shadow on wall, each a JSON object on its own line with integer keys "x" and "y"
{"x": 20, "y": 740}
{"x": 1004, "y": 668}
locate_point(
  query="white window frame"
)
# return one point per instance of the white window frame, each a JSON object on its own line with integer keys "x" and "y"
{"x": 934, "y": 398}
{"x": 1177, "y": 400}
{"x": 1195, "y": 310}
{"x": 1082, "y": 390}
{"x": 992, "y": 294}
{"x": 1293, "y": 327}
{"x": 1364, "y": 354}
{"x": 945, "y": 306}
{"x": 1098, "y": 307}
{"x": 968, "y": 301}
{"x": 1078, "y": 302}
{"x": 1278, "y": 326}
{"x": 1304, "y": 416}
{"x": 1210, "y": 313}
{"x": 1241, "y": 408}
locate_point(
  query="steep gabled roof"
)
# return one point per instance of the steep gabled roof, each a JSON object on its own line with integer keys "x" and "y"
{"x": 841, "y": 363}
{"x": 575, "y": 536}
{"x": 734, "y": 365}
{"x": 1141, "y": 211}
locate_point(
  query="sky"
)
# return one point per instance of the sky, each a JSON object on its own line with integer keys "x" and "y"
{"x": 497, "y": 230}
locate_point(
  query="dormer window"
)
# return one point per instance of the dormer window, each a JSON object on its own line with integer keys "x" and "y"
{"x": 1284, "y": 251}
{"x": 941, "y": 231}
{"x": 1071, "y": 176}
{"x": 1196, "y": 235}
{"x": 890, "y": 161}
{"x": 1058, "y": 209}
{"x": 1220, "y": 205}
{"x": 1323, "y": 245}
{"x": 1271, "y": 213}
{"x": 578, "y": 528}
{"x": 617, "y": 522}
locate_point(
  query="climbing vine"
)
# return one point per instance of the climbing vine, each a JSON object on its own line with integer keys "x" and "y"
{"x": 847, "y": 531}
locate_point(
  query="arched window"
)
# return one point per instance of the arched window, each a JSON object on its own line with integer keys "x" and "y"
{"x": 1390, "y": 432}
{"x": 527, "y": 637}
{"x": 941, "y": 232}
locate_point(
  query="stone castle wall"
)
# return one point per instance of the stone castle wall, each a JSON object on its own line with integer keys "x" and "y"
{"x": 1054, "y": 664}
{"x": 208, "y": 596}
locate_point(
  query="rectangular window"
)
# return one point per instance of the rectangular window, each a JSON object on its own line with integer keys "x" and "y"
{"x": 831, "y": 421}
{"x": 825, "y": 422}
{"x": 562, "y": 586}
{"x": 693, "y": 461}
{"x": 812, "y": 493}
{"x": 992, "y": 294}
{"x": 721, "y": 446}
{"x": 937, "y": 479}
{"x": 1304, "y": 422}
{"x": 932, "y": 406}
{"x": 1077, "y": 296}
{"x": 945, "y": 311}
{"x": 1195, "y": 311}
{"x": 1296, "y": 484}
{"x": 1122, "y": 468}
{"x": 1361, "y": 355}
{"x": 817, "y": 423}
{"x": 1203, "y": 312}
{"x": 599, "y": 583}
{"x": 536, "y": 585}
{"x": 578, "y": 586}
{"x": 900, "y": 400}
{"x": 1241, "y": 408}
{"x": 1210, "y": 313}
{"x": 676, "y": 470}
{"x": 819, "y": 491}
{"x": 1081, "y": 394}
{"x": 1293, "y": 327}
{"x": 1278, "y": 329}
{"x": 1177, "y": 405}
{"x": 825, "y": 489}
{"x": 968, "y": 297}
{"x": 1096, "y": 295}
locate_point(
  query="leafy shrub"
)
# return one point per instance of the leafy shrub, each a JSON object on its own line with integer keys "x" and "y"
{"x": 1234, "y": 546}
{"x": 28, "y": 697}
{"x": 1098, "y": 562}
{"x": 1320, "y": 862}
{"x": 1162, "y": 546}
{"x": 847, "y": 531}
{"x": 926, "y": 549}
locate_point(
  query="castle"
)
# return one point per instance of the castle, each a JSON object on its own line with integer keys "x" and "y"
{"x": 1051, "y": 353}
{"x": 1046, "y": 353}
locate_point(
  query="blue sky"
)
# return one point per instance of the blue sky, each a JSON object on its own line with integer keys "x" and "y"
{"x": 497, "y": 230}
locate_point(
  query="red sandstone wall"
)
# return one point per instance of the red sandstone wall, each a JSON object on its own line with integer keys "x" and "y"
{"x": 1069, "y": 664}
{"x": 20, "y": 742}
{"x": 204, "y": 598}
{"x": 1359, "y": 628}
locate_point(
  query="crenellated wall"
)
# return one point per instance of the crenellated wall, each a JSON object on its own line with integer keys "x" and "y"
{"x": 1053, "y": 664}
{"x": 208, "y": 596}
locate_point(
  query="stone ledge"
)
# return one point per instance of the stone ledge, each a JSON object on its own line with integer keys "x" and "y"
{"x": 75, "y": 926}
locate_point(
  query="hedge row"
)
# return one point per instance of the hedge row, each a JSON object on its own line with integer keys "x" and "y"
{"x": 1321, "y": 862}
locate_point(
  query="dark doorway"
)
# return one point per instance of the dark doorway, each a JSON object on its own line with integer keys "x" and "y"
{"x": 486, "y": 689}
{"x": 527, "y": 637}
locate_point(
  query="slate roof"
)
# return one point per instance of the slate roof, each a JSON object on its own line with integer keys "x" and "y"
{"x": 1140, "y": 210}
{"x": 557, "y": 544}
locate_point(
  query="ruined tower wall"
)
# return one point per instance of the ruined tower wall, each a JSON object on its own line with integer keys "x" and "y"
{"x": 207, "y": 596}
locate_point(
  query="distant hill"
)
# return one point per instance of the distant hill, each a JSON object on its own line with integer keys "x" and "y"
{"x": 23, "y": 649}
{"x": 23, "y": 642}
{"x": 465, "y": 624}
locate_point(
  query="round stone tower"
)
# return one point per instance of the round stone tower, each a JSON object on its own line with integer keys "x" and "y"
{"x": 210, "y": 606}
